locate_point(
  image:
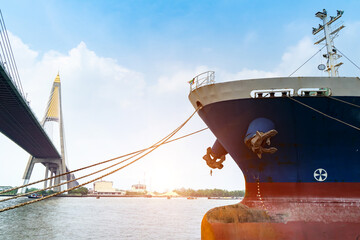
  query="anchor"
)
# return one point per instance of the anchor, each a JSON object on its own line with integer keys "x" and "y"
{"x": 215, "y": 156}
{"x": 257, "y": 142}
{"x": 211, "y": 160}
{"x": 258, "y": 136}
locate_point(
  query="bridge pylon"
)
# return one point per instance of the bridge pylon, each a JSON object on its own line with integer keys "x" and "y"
{"x": 53, "y": 166}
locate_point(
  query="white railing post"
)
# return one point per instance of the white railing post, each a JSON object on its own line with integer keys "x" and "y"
{"x": 202, "y": 79}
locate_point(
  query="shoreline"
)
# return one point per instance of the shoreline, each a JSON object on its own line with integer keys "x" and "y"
{"x": 139, "y": 196}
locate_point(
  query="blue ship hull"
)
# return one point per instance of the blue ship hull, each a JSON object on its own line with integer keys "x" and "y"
{"x": 299, "y": 152}
{"x": 306, "y": 140}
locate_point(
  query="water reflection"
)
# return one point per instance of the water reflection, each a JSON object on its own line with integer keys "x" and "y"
{"x": 107, "y": 218}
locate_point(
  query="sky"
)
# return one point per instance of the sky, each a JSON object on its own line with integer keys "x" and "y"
{"x": 125, "y": 65}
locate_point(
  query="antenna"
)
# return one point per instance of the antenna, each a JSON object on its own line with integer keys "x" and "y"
{"x": 329, "y": 35}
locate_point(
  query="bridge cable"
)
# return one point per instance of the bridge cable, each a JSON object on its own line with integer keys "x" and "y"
{"x": 12, "y": 58}
{"x": 155, "y": 146}
{"x": 324, "y": 114}
{"x": 8, "y": 65}
{"x": 9, "y": 57}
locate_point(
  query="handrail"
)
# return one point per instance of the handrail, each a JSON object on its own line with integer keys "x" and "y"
{"x": 202, "y": 79}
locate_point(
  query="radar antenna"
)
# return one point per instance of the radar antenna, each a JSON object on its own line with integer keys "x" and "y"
{"x": 329, "y": 35}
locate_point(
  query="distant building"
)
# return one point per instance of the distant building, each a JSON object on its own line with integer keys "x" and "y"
{"x": 106, "y": 188}
{"x": 138, "y": 188}
{"x": 103, "y": 186}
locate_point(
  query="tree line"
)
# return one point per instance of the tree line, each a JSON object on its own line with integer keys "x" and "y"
{"x": 209, "y": 193}
{"x": 78, "y": 191}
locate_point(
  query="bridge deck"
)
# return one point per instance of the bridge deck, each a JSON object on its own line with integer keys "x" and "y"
{"x": 19, "y": 124}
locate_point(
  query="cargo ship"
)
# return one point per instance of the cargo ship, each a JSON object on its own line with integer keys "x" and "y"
{"x": 297, "y": 142}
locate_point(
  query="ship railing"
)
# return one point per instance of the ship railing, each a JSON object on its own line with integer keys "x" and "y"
{"x": 202, "y": 79}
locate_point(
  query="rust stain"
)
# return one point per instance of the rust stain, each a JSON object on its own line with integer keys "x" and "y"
{"x": 237, "y": 213}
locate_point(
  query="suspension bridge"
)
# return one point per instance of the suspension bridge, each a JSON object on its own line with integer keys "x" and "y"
{"x": 18, "y": 122}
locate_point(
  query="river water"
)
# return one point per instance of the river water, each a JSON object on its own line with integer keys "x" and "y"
{"x": 107, "y": 218}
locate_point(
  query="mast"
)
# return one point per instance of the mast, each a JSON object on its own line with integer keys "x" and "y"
{"x": 329, "y": 35}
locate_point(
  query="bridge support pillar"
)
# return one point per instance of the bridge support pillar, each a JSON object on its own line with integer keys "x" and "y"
{"x": 46, "y": 175}
{"x": 52, "y": 165}
{"x": 57, "y": 166}
{"x": 51, "y": 180}
{"x": 23, "y": 190}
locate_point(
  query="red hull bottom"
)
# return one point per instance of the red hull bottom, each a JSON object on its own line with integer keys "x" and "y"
{"x": 283, "y": 218}
{"x": 272, "y": 231}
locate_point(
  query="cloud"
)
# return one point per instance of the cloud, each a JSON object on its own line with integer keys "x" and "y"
{"x": 292, "y": 58}
{"x": 246, "y": 73}
{"x": 24, "y": 56}
{"x": 111, "y": 110}
{"x": 177, "y": 80}
{"x": 297, "y": 55}
{"x": 92, "y": 76}
{"x": 96, "y": 94}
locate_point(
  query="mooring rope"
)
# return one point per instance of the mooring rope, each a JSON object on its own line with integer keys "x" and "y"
{"x": 72, "y": 180}
{"x": 90, "y": 174}
{"x": 324, "y": 114}
{"x": 337, "y": 99}
{"x": 155, "y": 146}
{"x": 93, "y": 165}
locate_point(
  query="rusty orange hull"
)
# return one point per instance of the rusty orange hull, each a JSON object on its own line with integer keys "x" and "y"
{"x": 301, "y": 168}
{"x": 284, "y": 218}
{"x": 276, "y": 231}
